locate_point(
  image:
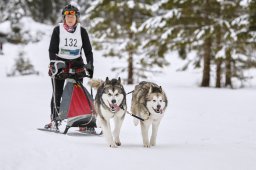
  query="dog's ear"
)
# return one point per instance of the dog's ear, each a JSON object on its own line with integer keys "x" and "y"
{"x": 107, "y": 80}
{"x": 150, "y": 89}
{"x": 119, "y": 80}
{"x": 160, "y": 89}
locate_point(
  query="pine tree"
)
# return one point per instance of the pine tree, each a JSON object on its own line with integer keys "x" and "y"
{"x": 236, "y": 40}
{"x": 16, "y": 12}
{"x": 115, "y": 25}
{"x": 208, "y": 27}
{"x": 252, "y": 15}
{"x": 3, "y": 10}
{"x": 183, "y": 25}
{"x": 47, "y": 11}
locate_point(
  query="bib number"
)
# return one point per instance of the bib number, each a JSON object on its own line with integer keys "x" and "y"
{"x": 70, "y": 42}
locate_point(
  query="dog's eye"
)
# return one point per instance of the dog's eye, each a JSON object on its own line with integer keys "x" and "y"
{"x": 116, "y": 94}
{"x": 154, "y": 100}
{"x": 161, "y": 100}
{"x": 109, "y": 94}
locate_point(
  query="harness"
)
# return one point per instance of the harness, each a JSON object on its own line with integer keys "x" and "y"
{"x": 136, "y": 115}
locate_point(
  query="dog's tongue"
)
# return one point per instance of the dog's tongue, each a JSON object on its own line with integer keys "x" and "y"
{"x": 160, "y": 111}
{"x": 115, "y": 107}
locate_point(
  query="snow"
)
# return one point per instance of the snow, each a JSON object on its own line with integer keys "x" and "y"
{"x": 203, "y": 128}
{"x": 244, "y": 2}
{"x": 221, "y": 53}
{"x": 5, "y": 27}
{"x": 172, "y": 13}
{"x": 152, "y": 23}
{"x": 134, "y": 27}
{"x": 74, "y": 3}
{"x": 131, "y": 4}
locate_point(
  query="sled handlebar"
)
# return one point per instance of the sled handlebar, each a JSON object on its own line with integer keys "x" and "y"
{"x": 71, "y": 75}
{"x": 76, "y": 76}
{"x": 58, "y": 69}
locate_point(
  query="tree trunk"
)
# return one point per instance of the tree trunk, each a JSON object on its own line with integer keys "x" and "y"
{"x": 218, "y": 72}
{"x": 207, "y": 63}
{"x": 218, "y": 60}
{"x": 130, "y": 59}
{"x": 228, "y": 76}
{"x": 130, "y": 69}
{"x": 207, "y": 49}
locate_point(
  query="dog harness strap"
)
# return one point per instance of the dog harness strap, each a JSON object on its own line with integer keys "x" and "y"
{"x": 135, "y": 116}
{"x": 130, "y": 92}
{"x": 103, "y": 103}
{"x": 122, "y": 106}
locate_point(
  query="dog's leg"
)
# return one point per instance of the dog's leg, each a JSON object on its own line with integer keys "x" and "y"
{"x": 135, "y": 121}
{"x": 98, "y": 122}
{"x": 105, "y": 124}
{"x": 155, "y": 126}
{"x": 118, "y": 123}
{"x": 144, "y": 131}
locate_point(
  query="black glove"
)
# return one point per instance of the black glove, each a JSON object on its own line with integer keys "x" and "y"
{"x": 62, "y": 76}
{"x": 89, "y": 67}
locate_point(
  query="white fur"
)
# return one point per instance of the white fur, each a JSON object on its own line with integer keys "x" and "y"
{"x": 107, "y": 98}
{"x": 154, "y": 120}
{"x": 113, "y": 139}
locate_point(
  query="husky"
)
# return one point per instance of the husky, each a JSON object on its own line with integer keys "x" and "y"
{"x": 110, "y": 102}
{"x": 149, "y": 102}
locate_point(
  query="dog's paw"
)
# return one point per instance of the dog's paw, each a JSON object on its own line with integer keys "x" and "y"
{"x": 146, "y": 146}
{"x": 113, "y": 145}
{"x": 153, "y": 144}
{"x": 118, "y": 143}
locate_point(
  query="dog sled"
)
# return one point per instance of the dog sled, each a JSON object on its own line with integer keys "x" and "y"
{"x": 76, "y": 107}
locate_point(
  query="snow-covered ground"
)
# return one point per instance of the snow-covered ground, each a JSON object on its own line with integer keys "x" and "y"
{"x": 203, "y": 128}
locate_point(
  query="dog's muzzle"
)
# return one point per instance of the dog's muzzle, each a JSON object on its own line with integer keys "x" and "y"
{"x": 158, "y": 110}
{"x": 114, "y": 107}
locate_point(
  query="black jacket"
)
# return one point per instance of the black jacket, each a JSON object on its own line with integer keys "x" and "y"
{"x": 55, "y": 40}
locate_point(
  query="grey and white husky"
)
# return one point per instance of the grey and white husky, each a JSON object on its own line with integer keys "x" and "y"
{"x": 148, "y": 102}
{"x": 110, "y": 102}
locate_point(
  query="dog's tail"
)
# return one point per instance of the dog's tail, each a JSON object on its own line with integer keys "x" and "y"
{"x": 95, "y": 83}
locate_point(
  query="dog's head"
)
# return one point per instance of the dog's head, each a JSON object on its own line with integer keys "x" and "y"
{"x": 113, "y": 94}
{"x": 156, "y": 100}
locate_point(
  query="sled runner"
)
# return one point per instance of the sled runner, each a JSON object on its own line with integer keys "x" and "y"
{"x": 76, "y": 102}
{"x": 89, "y": 132}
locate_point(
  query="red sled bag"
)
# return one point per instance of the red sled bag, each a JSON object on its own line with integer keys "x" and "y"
{"x": 77, "y": 106}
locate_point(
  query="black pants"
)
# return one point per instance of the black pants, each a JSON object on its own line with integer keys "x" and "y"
{"x": 59, "y": 85}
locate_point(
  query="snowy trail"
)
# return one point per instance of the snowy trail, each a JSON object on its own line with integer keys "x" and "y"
{"x": 189, "y": 137}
